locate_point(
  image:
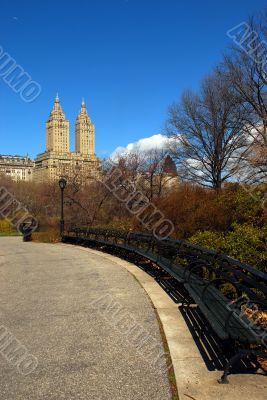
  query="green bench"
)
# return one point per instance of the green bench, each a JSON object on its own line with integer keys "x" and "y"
{"x": 202, "y": 273}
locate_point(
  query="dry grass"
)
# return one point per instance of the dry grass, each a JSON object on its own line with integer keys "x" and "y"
{"x": 46, "y": 237}
{"x": 260, "y": 318}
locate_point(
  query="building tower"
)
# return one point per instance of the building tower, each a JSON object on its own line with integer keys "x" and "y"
{"x": 84, "y": 133}
{"x": 57, "y": 130}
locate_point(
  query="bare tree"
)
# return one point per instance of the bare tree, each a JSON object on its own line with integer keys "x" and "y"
{"x": 206, "y": 133}
{"x": 147, "y": 171}
{"x": 246, "y": 70}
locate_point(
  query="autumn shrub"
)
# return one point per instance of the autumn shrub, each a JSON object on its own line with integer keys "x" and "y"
{"x": 6, "y": 228}
{"x": 209, "y": 239}
{"x": 118, "y": 223}
{"x": 193, "y": 208}
{"x": 248, "y": 244}
{"x": 245, "y": 243}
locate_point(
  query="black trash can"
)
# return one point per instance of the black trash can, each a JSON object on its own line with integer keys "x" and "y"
{"x": 26, "y": 230}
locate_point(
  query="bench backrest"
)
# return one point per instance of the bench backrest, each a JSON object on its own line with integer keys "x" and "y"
{"x": 246, "y": 279}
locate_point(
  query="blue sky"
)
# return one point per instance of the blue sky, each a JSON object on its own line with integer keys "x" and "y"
{"x": 129, "y": 59}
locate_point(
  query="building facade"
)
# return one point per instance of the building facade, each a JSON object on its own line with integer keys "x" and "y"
{"x": 57, "y": 161}
{"x": 18, "y": 168}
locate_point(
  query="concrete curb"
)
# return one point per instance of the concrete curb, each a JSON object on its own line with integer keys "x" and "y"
{"x": 193, "y": 379}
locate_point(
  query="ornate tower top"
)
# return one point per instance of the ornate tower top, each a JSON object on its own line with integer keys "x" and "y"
{"x": 57, "y": 112}
{"x": 83, "y": 112}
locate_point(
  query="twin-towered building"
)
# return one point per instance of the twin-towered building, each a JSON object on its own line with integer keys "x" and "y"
{"x": 57, "y": 161}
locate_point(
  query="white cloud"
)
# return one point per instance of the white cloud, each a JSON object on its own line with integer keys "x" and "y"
{"x": 142, "y": 145}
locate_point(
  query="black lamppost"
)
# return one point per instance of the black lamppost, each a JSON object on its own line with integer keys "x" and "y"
{"x": 62, "y": 184}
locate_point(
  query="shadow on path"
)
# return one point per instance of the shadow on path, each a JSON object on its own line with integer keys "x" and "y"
{"x": 214, "y": 351}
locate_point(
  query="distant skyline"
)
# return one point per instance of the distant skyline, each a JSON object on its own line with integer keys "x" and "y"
{"x": 128, "y": 59}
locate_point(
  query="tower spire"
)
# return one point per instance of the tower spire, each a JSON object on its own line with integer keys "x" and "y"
{"x": 84, "y": 132}
{"x": 83, "y": 110}
{"x": 57, "y": 130}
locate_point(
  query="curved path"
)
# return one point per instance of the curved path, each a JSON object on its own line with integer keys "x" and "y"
{"x": 84, "y": 319}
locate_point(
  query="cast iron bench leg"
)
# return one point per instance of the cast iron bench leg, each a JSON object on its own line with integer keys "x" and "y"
{"x": 230, "y": 363}
{"x": 240, "y": 355}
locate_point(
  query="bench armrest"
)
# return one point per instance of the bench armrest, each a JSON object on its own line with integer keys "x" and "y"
{"x": 193, "y": 266}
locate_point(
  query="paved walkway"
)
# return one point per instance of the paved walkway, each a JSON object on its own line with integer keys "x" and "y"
{"x": 71, "y": 310}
